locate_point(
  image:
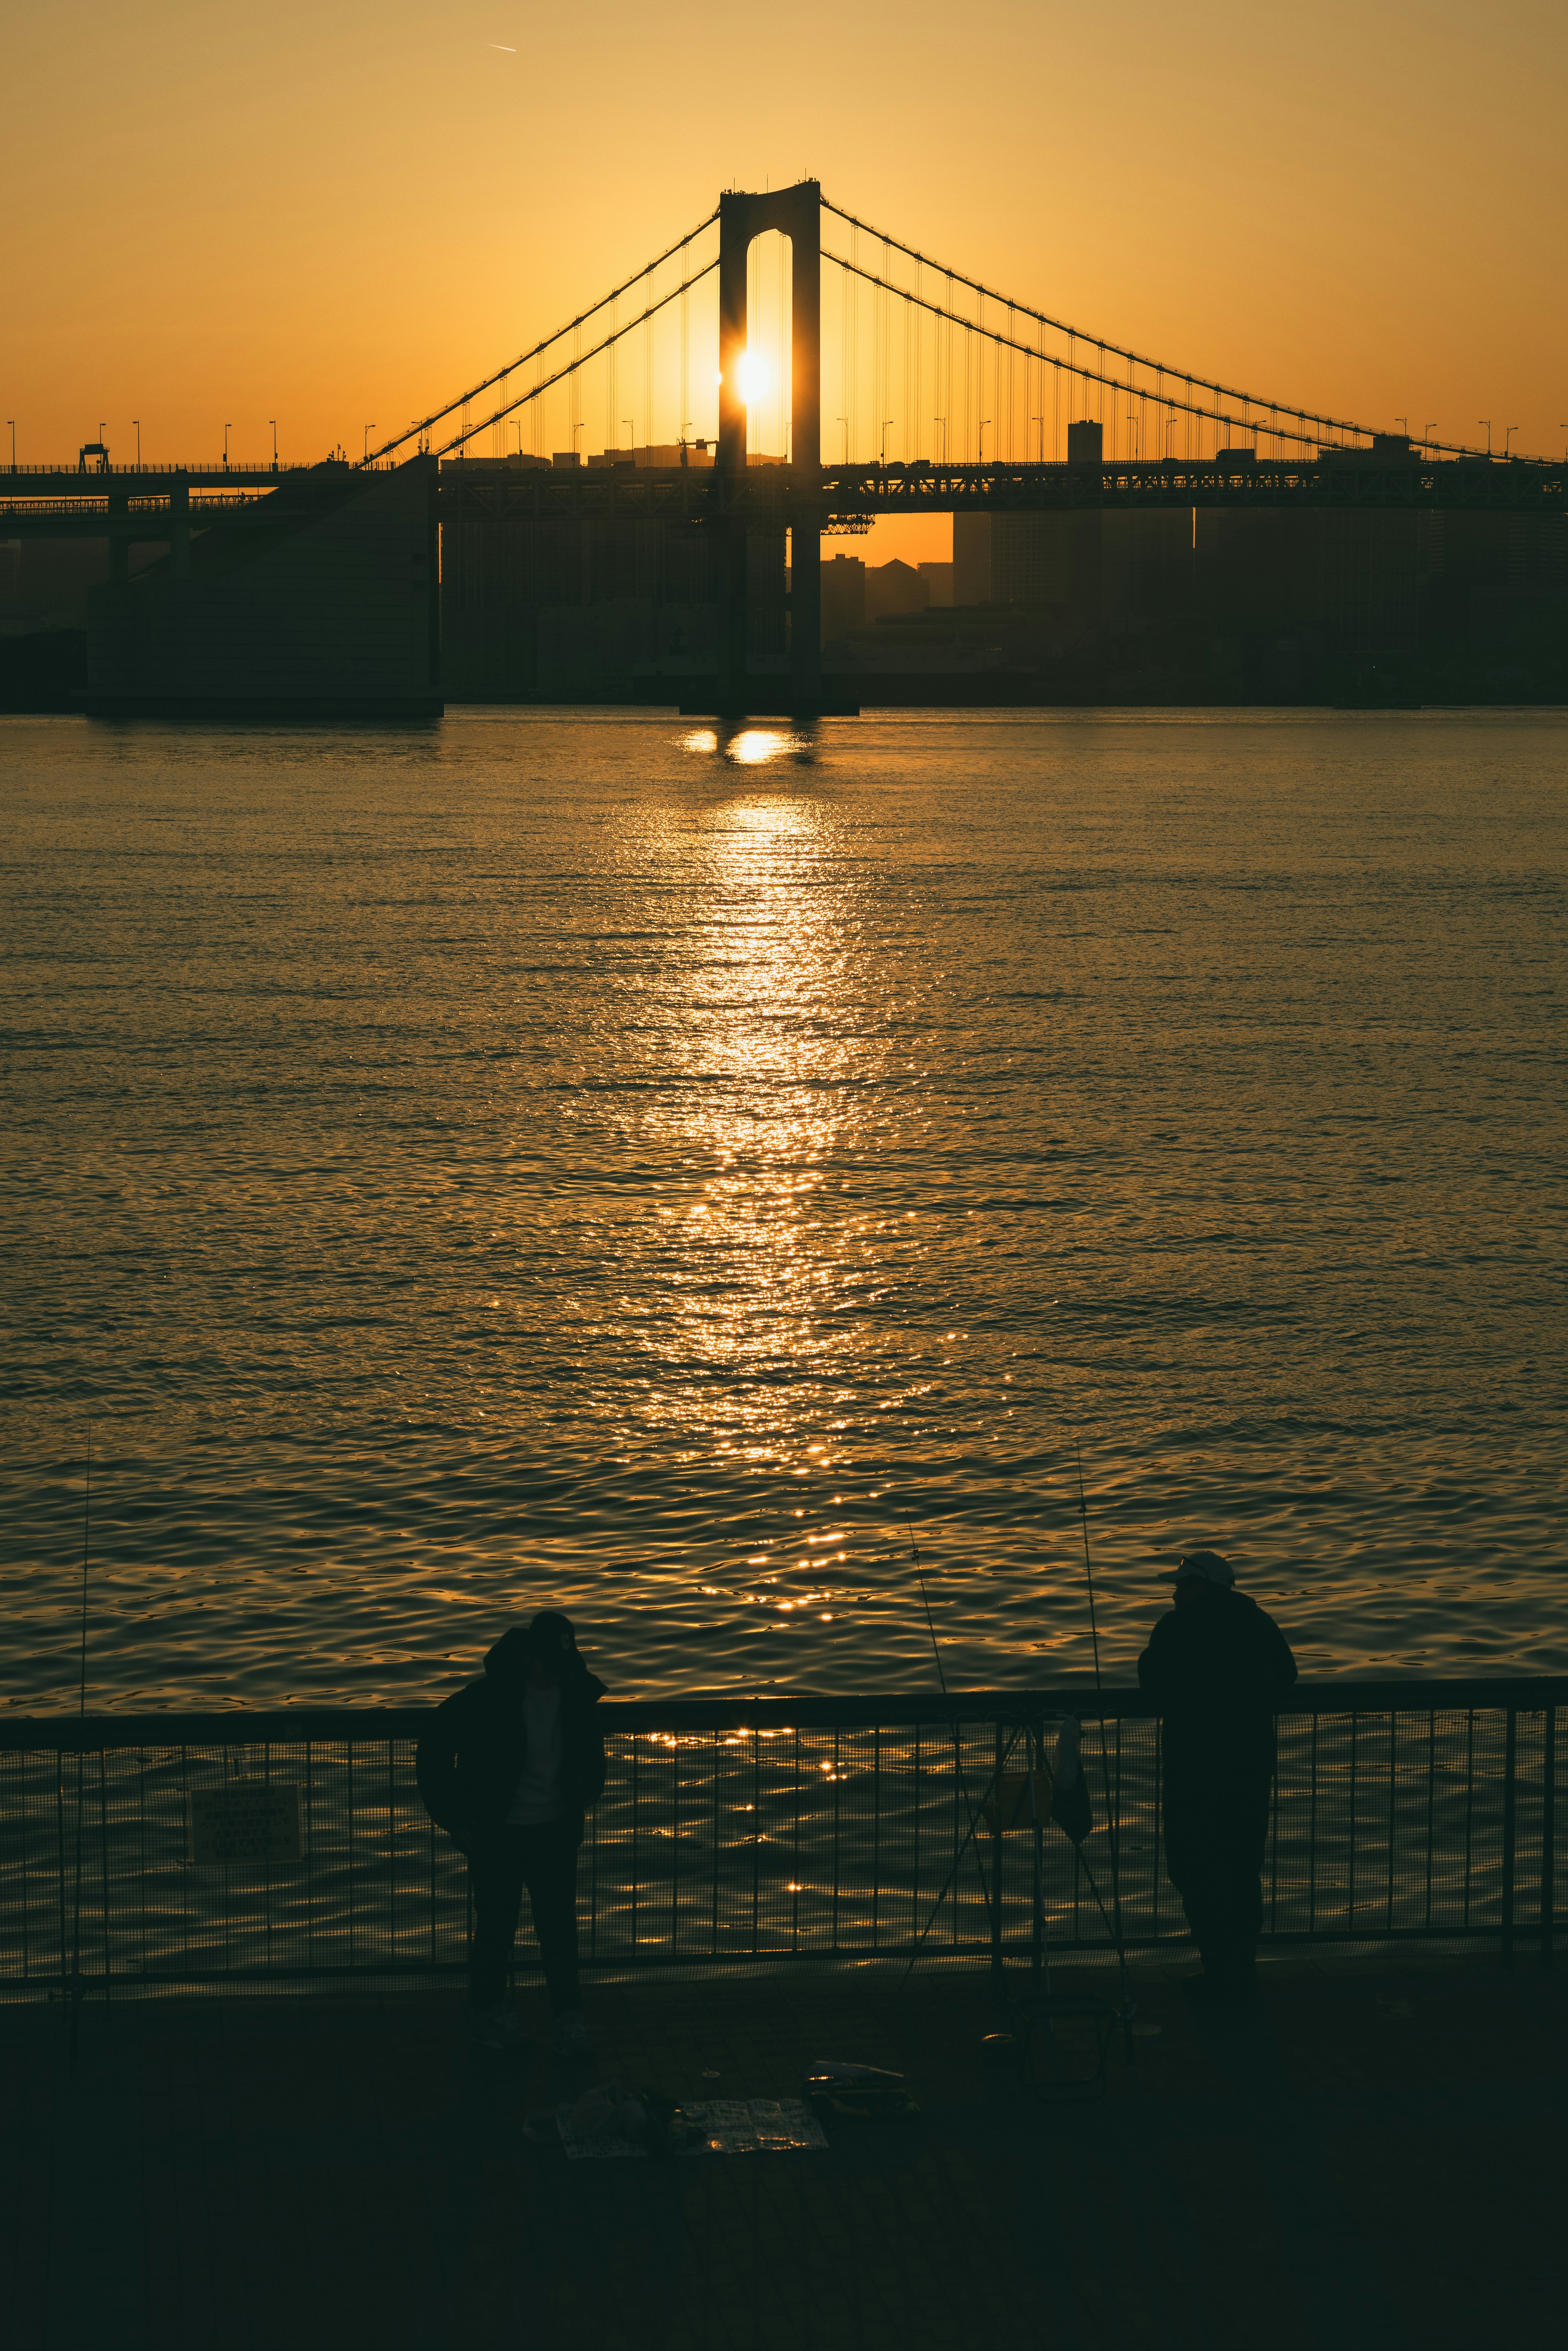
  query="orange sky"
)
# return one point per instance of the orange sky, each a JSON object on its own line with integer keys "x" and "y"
{"x": 337, "y": 216}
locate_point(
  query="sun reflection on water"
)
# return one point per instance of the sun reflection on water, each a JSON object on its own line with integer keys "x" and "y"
{"x": 750, "y": 747}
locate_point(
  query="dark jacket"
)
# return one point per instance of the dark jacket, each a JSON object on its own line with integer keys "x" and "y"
{"x": 472, "y": 1756}
{"x": 1218, "y": 1670}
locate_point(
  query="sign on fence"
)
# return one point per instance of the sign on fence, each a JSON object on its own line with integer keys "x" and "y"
{"x": 247, "y": 1819}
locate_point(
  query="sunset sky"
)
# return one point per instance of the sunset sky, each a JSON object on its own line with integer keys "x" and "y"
{"x": 337, "y": 216}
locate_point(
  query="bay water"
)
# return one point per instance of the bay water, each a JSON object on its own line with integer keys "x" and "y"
{"x": 591, "y": 1160}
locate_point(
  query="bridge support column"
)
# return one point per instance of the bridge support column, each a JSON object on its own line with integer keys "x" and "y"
{"x": 119, "y": 540}
{"x": 179, "y": 518}
{"x": 797, "y": 214}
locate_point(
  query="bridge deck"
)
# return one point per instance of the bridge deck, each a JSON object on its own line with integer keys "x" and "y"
{"x": 142, "y": 505}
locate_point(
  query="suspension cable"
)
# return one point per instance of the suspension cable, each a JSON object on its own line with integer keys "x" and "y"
{"x": 572, "y": 324}
{"x": 580, "y": 360}
{"x": 1135, "y": 359}
{"x": 1091, "y": 375}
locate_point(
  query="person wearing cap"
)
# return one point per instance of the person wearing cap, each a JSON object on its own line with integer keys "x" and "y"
{"x": 1218, "y": 1667}
{"x": 508, "y": 1768}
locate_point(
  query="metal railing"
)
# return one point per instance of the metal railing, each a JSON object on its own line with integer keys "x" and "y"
{"x": 780, "y": 1829}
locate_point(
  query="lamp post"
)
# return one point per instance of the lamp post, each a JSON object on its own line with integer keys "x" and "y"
{"x": 984, "y": 422}
{"x": 1487, "y": 422}
{"x": 1508, "y": 436}
{"x": 103, "y": 460}
{"x": 11, "y": 422}
{"x": 365, "y": 452}
{"x": 136, "y": 422}
{"x": 273, "y": 421}
{"x": 1430, "y": 426}
{"x": 845, "y": 423}
{"x": 630, "y": 424}
{"x": 227, "y": 430}
{"x": 1041, "y": 422}
{"x": 883, "y": 460}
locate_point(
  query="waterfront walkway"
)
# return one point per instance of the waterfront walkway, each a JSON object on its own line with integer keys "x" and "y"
{"x": 1373, "y": 2159}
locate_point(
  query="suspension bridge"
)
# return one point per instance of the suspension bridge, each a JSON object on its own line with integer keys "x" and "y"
{"x": 949, "y": 397}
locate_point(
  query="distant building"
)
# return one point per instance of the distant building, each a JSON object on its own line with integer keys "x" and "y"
{"x": 843, "y": 596}
{"x": 971, "y": 558}
{"x": 893, "y": 588}
{"x": 938, "y": 579}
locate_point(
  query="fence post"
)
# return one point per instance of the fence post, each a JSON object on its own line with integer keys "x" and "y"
{"x": 1510, "y": 1752}
{"x": 1548, "y": 1835}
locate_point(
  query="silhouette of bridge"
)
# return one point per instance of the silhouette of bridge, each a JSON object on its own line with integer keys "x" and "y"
{"x": 941, "y": 334}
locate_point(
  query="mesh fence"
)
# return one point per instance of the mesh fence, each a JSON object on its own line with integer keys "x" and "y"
{"x": 719, "y": 1842}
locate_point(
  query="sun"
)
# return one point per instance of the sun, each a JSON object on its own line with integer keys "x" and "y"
{"x": 754, "y": 376}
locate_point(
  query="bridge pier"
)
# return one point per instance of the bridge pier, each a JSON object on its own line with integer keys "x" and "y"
{"x": 797, "y": 213}
{"x": 180, "y": 519}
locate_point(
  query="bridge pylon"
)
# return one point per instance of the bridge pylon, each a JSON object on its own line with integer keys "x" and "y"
{"x": 797, "y": 214}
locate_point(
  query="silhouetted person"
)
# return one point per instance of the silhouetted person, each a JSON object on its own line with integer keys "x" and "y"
{"x": 1218, "y": 1667}
{"x": 508, "y": 1768}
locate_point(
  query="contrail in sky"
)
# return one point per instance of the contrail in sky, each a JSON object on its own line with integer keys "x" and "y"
{"x": 500, "y": 45}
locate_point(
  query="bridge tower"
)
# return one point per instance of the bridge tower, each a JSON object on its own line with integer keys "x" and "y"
{"x": 797, "y": 213}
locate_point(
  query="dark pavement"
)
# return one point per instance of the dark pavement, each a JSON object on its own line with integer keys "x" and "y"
{"x": 1373, "y": 2158}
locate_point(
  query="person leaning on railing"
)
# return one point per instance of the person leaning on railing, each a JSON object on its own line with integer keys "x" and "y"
{"x": 1218, "y": 1668}
{"x": 508, "y": 1768}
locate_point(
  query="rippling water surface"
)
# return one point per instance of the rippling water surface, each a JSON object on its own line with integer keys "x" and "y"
{"x": 562, "y": 1158}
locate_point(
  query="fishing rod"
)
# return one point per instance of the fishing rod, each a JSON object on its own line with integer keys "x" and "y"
{"x": 971, "y": 1831}
{"x": 81, "y": 1750}
{"x": 1111, "y": 1828}
{"x": 925, "y": 1601}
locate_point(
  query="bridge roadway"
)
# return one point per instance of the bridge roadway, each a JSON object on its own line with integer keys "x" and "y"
{"x": 150, "y": 505}
{"x": 766, "y": 494}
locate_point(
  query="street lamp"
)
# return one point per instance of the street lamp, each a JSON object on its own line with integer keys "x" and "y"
{"x": 885, "y": 422}
{"x": 365, "y": 453}
{"x": 11, "y": 422}
{"x": 136, "y": 422}
{"x": 273, "y": 421}
{"x": 1430, "y": 426}
{"x": 845, "y": 423}
{"x": 1487, "y": 422}
{"x": 1405, "y": 422}
{"x": 984, "y": 422}
{"x": 630, "y": 424}
{"x": 1041, "y": 422}
{"x": 227, "y": 430}
{"x": 1508, "y": 436}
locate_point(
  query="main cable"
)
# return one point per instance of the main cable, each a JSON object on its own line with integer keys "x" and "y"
{"x": 1135, "y": 359}
{"x": 579, "y": 361}
{"x": 582, "y": 319}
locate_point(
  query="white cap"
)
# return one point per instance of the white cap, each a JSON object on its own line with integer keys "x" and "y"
{"x": 1202, "y": 1567}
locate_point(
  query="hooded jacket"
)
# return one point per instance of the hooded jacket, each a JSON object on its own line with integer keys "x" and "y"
{"x": 1218, "y": 1671}
{"x": 472, "y": 1757}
